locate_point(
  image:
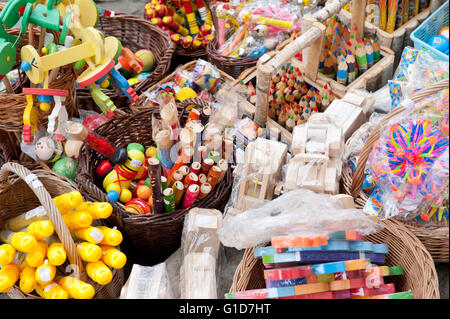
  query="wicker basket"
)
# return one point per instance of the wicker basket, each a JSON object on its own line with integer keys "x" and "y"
{"x": 12, "y": 105}
{"x": 141, "y": 104}
{"x": 419, "y": 272}
{"x": 5, "y": 155}
{"x": 20, "y": 192}
{"x": 230, "y": 65}
{"x": 435, "y": 238}
{"x": 135, "y": 34}
{"x": 148, "y": 238}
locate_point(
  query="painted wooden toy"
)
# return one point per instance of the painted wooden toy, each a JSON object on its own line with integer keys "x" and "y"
{"x": 117, "y": 182}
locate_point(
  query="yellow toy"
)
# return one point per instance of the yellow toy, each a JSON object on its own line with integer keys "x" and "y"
{"x": 76, "y": 288}
{"x": 41, "y": 229}
{"x": 78, "y": 219}
{"x": 89, "y": 252}
{"x": 21, "y": 241}
{"x": 30, "y": 120}
{"x": 98, "y": 210}
{"x": 90, "y": 234}
{"x": 45, "y": 273}
{"x": 56, "y": 254}
{"x": 67, "y": 202}
{"x": 111, "y": 236}
{"x": 9, "y": 274}
{"x": 99, "y": 272}
{"x": 118, "y": 180}
{"x": 27, "y": 281}
{"x": 36, "y": 257}
{"x": 7, "y": 254}
{"x": 113, "y": 257}
{"x": 52, "y": 290}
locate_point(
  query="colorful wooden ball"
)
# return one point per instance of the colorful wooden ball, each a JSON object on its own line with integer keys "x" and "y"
{"x": 103, "y": 168}
{"x": 66, "y": 167}
{"x": 151, "y": 151}
{"x": 144, "y": 192}
{"x": 148, "y": 58}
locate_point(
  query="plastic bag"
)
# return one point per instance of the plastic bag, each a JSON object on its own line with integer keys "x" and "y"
{"x": 417, "y": 69}
{"x": 200, "y": 245}
{"x": 300, "y": 211}
{"x": 409, "y": 162}
{"x": 147, "y": 283}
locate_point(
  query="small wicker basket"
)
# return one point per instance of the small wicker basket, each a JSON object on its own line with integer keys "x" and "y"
{"x": 435, "y": 238}
{"x": 150, "y": 238}
{"x": 135, "y": 34}
{"x": 419, "y": 272}
{"x": 22, "y": 190}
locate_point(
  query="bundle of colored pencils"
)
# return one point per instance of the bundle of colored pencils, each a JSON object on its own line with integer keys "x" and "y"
{"x": 292, "y": 101}
{"x": 346, "y": 53}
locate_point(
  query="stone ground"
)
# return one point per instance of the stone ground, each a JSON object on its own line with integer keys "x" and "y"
{"x": 232, "y": 257}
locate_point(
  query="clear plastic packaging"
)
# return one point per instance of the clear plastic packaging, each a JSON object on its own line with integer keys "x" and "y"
{"x": 147, "y": 282}
{"x": 410, "y": 161}
{"x": 201, "y": 254}
{"x": 300, "y": 211}
{"x": 417, "y": 69}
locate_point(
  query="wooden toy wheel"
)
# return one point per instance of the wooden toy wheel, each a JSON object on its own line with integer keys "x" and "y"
{"x": 113, "y": 48}
{"x": 95, "y": 37}
{"x": 92, "y": 75}
{"x": 31, "y": 64}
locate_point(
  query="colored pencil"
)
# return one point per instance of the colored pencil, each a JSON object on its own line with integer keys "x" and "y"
{"x": 341, "y": 75}
{"x": 369, "y": 55}
{"x": 361, "y": 59}
{"x": 376, "y": 51}
{"x": 351, "y": 67}
{"x": 330, "y": 65}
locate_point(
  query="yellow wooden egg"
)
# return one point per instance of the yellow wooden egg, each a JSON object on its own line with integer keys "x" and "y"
{"x": 148, "y": 58}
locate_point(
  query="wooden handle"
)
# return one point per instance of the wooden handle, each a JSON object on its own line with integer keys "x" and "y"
{"x": 52, "y": 211}
{"x": 358, "y": 176}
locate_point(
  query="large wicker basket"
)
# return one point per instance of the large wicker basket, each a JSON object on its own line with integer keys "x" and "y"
{"x": 12, "y": 105}
{"x": 141, "y": 104}
{"x": 135, "y": 34}
{"x": 22, "y": 190}
{"x": 148, "y": 238}
{"x": 435, "y": 238}
{"x": 419, "y": 272}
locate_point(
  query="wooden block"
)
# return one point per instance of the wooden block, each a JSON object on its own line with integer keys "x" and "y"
{"x": 347, "y": 284}
{"x": 285, "y": 282}
{"x": 291, "y": 175}
{"x": 288, "y": 273}
{"x": 346, "y": 116}
{"x": 331, "y": 183}
{"x": 397, "y": 295}
{"x": 273, "y": 293}
{"x": 299, "y": 136}
{"x": 346, "y": 200}
{"x": 318, "y": 257}
{"x": 311, "y": 288}
{"x": 319, "y": 295}
{"x": 349, "y": 275}
{"x": 248, "y": 294}
{"x": 383, "y": 289}
{"x": 334, "y": 141}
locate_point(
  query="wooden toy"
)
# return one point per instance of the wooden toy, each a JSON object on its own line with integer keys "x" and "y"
{"x": 80, "y": 132}
{"x": 318, "y": 256}
{"x": 316, "y": 165}
{"x": 285, "y": 282}
{"x": 269, "y": 156}
{"x": 118, "y": 180}
{"x": 74, "y": 16}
